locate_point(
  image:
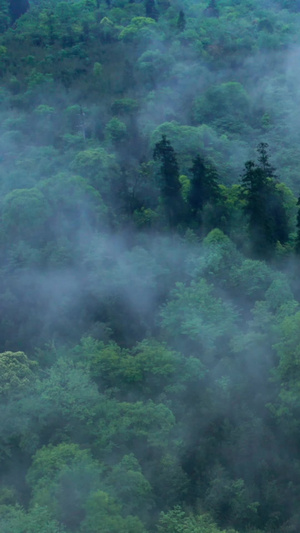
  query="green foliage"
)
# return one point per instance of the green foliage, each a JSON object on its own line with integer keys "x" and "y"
{"x": 181, "y": 21}
{"x": 149, "y": 368}
{"x": 288, "y": 349}
{"x": 226, "y": 104}
{"x": 204, "y": 186}
{"x": 254, "y": 276}
{"x": 23, "y": 211}
{"x": 297, "y": 244}
{"x": 170, "y": 183}
{"x": 116, "y": 130}
{"x": 124, "y": 223}
{"x": 194, "y": 312}
{"x": 264, "y": 204}
{"x": 4, "y": 15}
{"x": 153, "y": 65}
{"x": 130, "y": 486}
{"x": 97, "y": 69}
{"x": 36, "y": 520}
{"x": 103, "y": 512}
{"x": 97, "y": 165}
{"x": 151, "y": 10}
{"x": 124, "y": 106}
{"x": 177, "y": 521}
{"x": 138, "y": 29}
{"x": 16, "y": 373}
{"x": 61, "y": 478}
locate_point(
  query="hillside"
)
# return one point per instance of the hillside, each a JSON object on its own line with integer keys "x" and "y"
{"x": 149, "y": 258}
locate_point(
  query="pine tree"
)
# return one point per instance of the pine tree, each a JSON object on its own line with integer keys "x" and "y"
{"x": 170, "y": 185}
{"x": 18, "y": 8}
{"x": 264, "y": 204}
{"x": 181, "y": 21}
{"x": 204, "y": 184}
{"x": 4, "y": 15}
{"x": 297, "y": 245}
{"x": 263, "y": 160}
{"x": 151, "y": 10}
{"x": 212, "y": 9}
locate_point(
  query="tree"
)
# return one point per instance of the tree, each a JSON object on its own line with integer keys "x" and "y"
{"x": 104, "y": 513}
{"x": 151, "y": 10}
{"x": 212, "y": 9}
{"x": 193, "y": 312}
{"x": 4, "y": 15}
{"x": 37, "y": 520}
{"x": 116, "y": 130}
{"x": 18, "y": 8}
{"x": 254, "y": 276}
{"x": 24, "y": 215}
{"x": 16, "y": 373}
{"x": 178, "y": 521}
{"x": 153, "y": 66}
{"x": 98, "y": 166}
{"x": 181, "y": 21}
{"x": 139, "y": 29}
{"x": 68, "y": 399}
{"x": 61, "y": 478}
{"x": 225, "y": 105}
{"x": 263, "y": 160}
{"x": 297, "y": 244}
{"x": 264, "y": 207}
{"x": 131, "y": 487}
{"x": 170, "y": 183}
{"x": 204, "y": 187}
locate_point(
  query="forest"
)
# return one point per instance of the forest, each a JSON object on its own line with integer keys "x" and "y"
{"x": 149, "y": 260}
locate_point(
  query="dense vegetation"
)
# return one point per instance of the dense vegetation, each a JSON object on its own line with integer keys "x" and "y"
{"x": 149, "y": 257}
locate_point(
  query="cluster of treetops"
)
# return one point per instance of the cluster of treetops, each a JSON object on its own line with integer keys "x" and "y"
{"x": 200, "y": 200}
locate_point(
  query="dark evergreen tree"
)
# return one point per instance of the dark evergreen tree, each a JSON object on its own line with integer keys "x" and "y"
{"x": 181, "y": 21}
{"x": 170, "y": 185}
{"x": 264, "y": 162}
{"x": 128, "y": 78}
{"x": 18, "y": 8}
{"x": 4, "y": 15}
{"x": 204, "y": 184}
{"x": 297, "y": 245}
{"x": 151, "y": 10}
{"x": 212, "y": 9}
{"x": 292, "y": 5}
{"x": 264, "y": 204}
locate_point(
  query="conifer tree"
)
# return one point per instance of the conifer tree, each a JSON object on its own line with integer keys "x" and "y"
{"x": 18, "y": 8}
{"x": 297, "y": 245}
{"x": 151, "y": 10}
{"x": 170, "y": 185}
{"x": 212, "y": 9}
{"x": 263, "y": 160}
{"x": 4, "y": 15}
{"x": 264, "y": 204}
{"x": 181, "y": 21}
{"x": 204, "y": 186}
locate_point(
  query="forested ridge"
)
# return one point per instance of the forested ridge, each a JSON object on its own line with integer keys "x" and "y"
{"x": 149, "y": 259}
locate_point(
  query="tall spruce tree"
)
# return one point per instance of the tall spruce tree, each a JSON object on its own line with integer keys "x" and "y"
{"x": 212, "y": 9}
{"x": 264, "y": 207}
{"x": 297, "y": 244}
{"x": 18, "y": 8}
{"x": 263, "y": 160}
{"x": 4, "y": 15}
{"x": 181, "y": 21}
{"x": 151, "y": 10}
{"x": 204, "y": 184}
{"x": 170, "y": 185}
